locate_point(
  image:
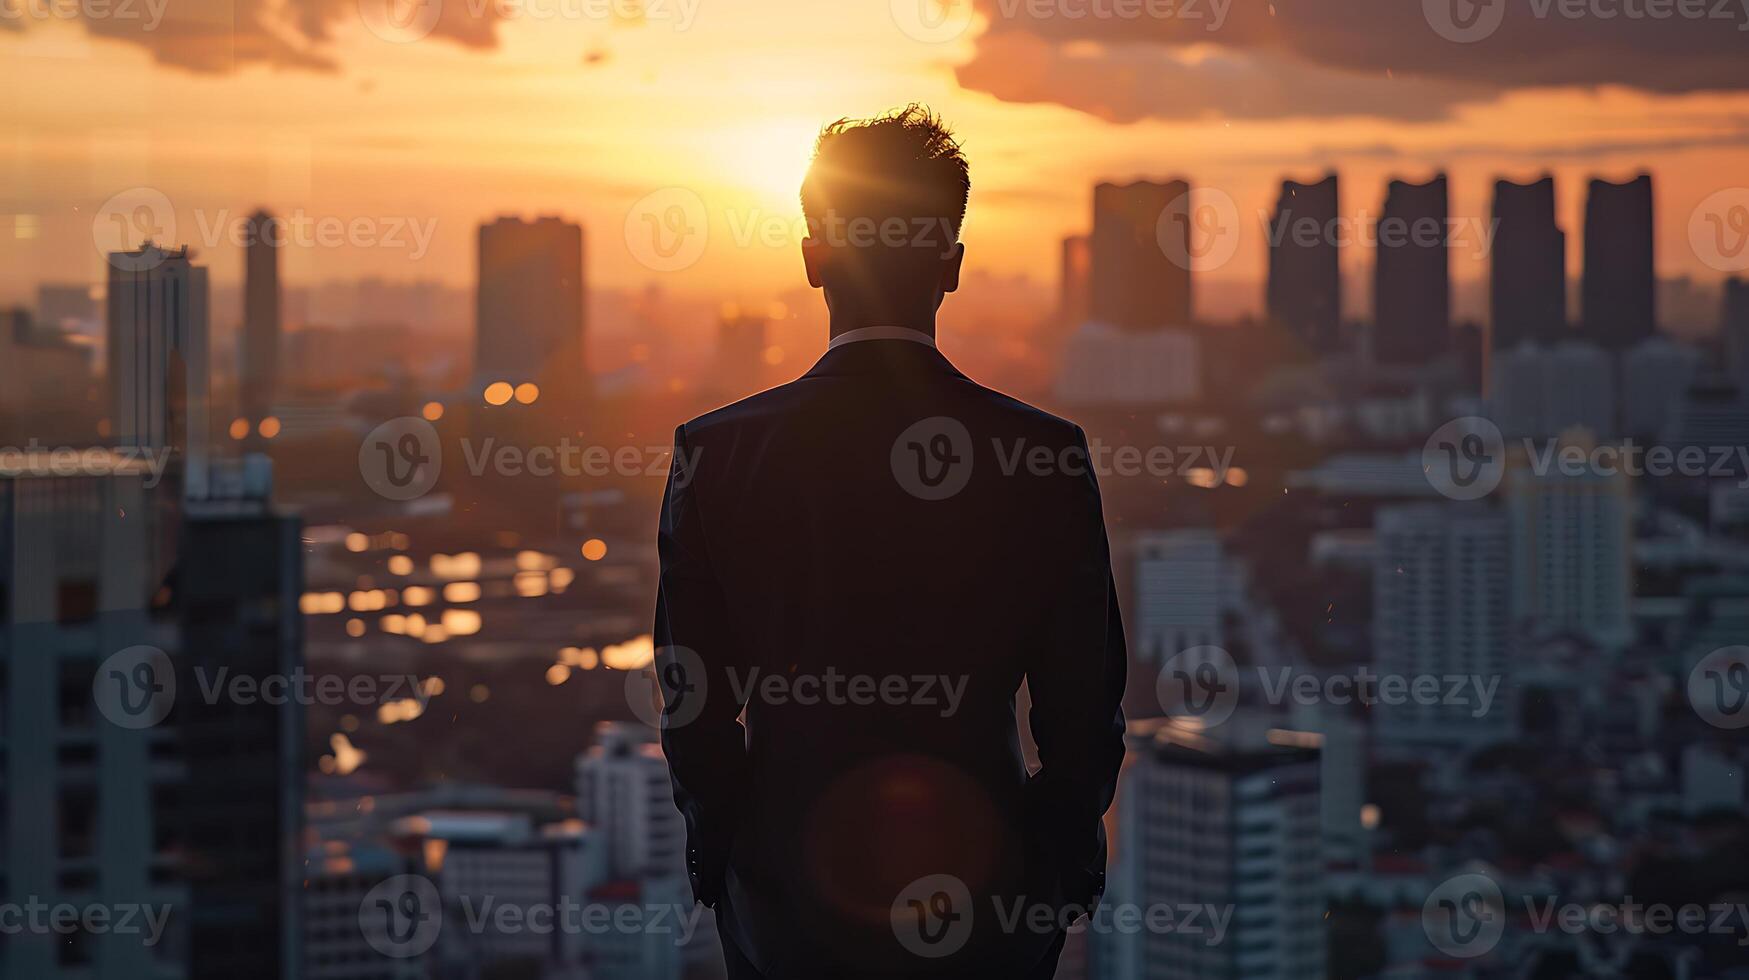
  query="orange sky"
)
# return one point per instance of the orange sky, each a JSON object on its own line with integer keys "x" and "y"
{"x": 583, "y": 115}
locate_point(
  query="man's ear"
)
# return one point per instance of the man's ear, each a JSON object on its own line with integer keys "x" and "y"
{"x": 813, "y": 256}
{"x": 950, "y": 268}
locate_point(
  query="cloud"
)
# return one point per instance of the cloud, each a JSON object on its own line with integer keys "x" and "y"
{"x": 219, "y": 36}
{"x": 1319, "y": 58}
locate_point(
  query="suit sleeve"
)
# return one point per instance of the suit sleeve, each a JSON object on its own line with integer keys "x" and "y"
{"x": 1076, "y": 679}
{"x": 702, "y": 735}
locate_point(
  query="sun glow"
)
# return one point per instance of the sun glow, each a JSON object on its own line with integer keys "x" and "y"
{"x": 768, "y": 158}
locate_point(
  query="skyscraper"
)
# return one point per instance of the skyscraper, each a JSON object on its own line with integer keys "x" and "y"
{"x": 1134, "y": 284}
{"x": 258, "y": 379}
{"x": 1528, "y": 271}
{"x": 1572, "y": 568}
{"x": 1412, "y": 276}
{"x": 158, "y": 373}
{"x": 1620, "y": 285}
{"x": 1074, "y": 281}
{"x": 1440, "y": 609}
{"x": 1229, "y": 828}
{"x": 529, "y": 310}
{"x": 623, "y": 792}
{"x": 1305, "y": 273}
{"x": 1734, "y": 328}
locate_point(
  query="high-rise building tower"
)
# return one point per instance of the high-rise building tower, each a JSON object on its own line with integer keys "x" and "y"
{"x": 1075, "y": 281}
{"x": 529, "y": 311}
{"x": 1305, "y": 272}
{"x": 1572, "y": 566}
{"x": 1135, "y": 285}
{"x": 1440, "y": 609}
{"x": 1528, "y": 272}
{"x": 1223, "y": 826}
{"x": 623, "y": 791}
{"x": 158, "y": 372}
{"x": 1734, "y": 328}
{"x": 1620, "y": 284}
{"x": 258, "y": 378}
{"x": 1412, "y": 277}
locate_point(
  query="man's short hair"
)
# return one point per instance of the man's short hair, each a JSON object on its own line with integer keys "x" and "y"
{"x": 905, "y": 165}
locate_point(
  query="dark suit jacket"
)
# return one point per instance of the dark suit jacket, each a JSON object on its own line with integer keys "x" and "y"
{"x": 839, "y": 554}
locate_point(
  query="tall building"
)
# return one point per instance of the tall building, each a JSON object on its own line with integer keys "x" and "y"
{"x": 1572, "y": 566}
{"x": 529, "y": 308}
{"x": 258, "y": 377}
{"x": 1228, "y": 827}
{"x": 1185, "y": 586}
{"x": 1074, "y": 280}
{"x": 1734, "y": 329}
{"x": 1440, "y": 609}
{"x": 1412, "y": 276}
{"x": 1656, "y": 374}
{"x": 624, "y": 793}
{"x": 1528, "y": 271}
{"x": 1619, "y": 294}
{"x": 1135, "y": 284}
{"x": 1539, "y": 392}
{"x": 1304, "y": 293}
{"x": 158, "y": 373}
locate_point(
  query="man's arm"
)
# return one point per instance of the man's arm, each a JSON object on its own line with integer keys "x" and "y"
{"x": 695, "y": 651}
{"x": 1076, "y": 679}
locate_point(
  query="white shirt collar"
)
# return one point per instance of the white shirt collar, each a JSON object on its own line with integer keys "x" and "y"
{"x": 880, "y": 333}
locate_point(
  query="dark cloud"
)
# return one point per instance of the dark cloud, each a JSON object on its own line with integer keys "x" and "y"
{"x": 1321, "y": 58}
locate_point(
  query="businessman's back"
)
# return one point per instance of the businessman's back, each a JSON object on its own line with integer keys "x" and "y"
{"x": 869, "y": 561}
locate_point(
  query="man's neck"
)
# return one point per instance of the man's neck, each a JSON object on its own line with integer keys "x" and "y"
{"x": 838, "y": 325}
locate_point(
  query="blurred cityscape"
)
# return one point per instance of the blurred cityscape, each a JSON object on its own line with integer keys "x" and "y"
{"x": 318, "y": 598}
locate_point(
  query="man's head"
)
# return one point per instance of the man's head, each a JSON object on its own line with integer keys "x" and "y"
{"x": 884, "y": 199}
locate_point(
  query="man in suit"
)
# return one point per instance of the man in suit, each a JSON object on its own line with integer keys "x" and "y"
{"x": 859, "y": 570}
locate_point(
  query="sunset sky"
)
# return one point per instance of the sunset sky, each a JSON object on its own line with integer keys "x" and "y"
{"x": 569, "y": 107}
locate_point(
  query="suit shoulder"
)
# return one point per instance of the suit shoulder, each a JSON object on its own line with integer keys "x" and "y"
{"x": 752, "y": 410}
{"x": 1030, "y": 416}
